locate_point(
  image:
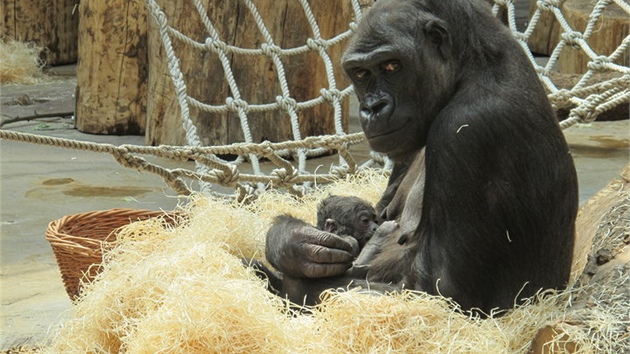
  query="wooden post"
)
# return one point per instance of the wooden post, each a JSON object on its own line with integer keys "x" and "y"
{"x": 256, "y": 76}
{"x": 112, "y": 67}
{"x": 201, "y": 69}
{"x": 552, "y": 338}
{"x": 611, "y": 28}
{"x": 600, "y": 264}
{"x": 53, "y": 25}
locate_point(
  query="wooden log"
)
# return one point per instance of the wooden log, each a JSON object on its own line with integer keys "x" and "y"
{"x": 255, "y": 76}
{"x": 592, "y": 221}
{"x": 601, "y": 267}
{"x": 53, "y": 25}
{"x": 546, "y": 34}
{"x": 611, "y": 28}
{"x": 552, "y": 338}
{"x": 202, "y": 73}
{"x": 112, "y": 67}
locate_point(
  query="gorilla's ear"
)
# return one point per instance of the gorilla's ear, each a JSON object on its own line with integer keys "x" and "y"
{"x": 437, "y": 35}
{"x": 331, "y": 226}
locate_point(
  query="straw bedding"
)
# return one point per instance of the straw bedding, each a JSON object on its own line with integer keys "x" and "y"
{"x": 20, "y": 62}
{"x": 184, "y": 290}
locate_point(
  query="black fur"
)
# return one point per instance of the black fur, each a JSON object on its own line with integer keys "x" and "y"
{"x": 487, "y": 214}
{"x": 347, "y": 215}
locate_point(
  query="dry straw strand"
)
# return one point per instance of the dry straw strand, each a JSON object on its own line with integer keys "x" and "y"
{"x": 183, "y": 289}
{"x": 20, "y": 62}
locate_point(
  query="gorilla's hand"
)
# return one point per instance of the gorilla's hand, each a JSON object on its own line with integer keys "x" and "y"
{"x": 299, "y": 250}
{"x": 316, "y": 254}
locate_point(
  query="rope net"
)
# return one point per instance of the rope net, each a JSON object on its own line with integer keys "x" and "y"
{"x": 284, "y": 102}
{"x": 585, "y": 100}
{"x": 588, "y": 98}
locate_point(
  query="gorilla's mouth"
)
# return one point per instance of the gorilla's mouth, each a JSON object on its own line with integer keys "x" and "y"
{"x": 384, "y": 133}
{"x": 388, "y": 141}
{"x": 380, "y": 135}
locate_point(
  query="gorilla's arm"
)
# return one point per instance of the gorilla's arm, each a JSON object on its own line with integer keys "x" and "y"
{"x": 395, "y": 179}
{"x": 299, "y": 250}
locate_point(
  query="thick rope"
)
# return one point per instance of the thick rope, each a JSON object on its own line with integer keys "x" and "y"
{"x": 219, "y": 172}
{"x": 334, "y": 96}
{"x": 585, "y": 102}
{"x": 284, "y": 101}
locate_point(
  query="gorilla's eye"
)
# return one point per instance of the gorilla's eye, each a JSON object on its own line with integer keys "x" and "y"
{"x": 391, "y": 66}
{"x": 360, "y": 74}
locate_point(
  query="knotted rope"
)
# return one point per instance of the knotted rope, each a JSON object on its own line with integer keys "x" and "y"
{"x": 585, "y": 102}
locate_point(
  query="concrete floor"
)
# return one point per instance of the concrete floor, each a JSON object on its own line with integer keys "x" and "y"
{"x": 39, "y": 184}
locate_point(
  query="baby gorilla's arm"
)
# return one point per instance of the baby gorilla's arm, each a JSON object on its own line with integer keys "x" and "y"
{"x": 362, "y": 264}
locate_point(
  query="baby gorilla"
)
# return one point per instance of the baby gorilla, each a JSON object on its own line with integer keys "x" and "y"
{"x": 347, "y": 216}
{"x": 350, "y": 217}
{"x": 354, "y": 219}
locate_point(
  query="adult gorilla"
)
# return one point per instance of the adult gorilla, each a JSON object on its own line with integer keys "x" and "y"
{"x": 483, "y": 186}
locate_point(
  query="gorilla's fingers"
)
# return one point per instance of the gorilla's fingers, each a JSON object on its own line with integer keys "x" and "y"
{"x": 318, "y": 270}
{"x": 387, "y": 227}
{"x": 323, "y": 255}
{"x": 312, "y": 235}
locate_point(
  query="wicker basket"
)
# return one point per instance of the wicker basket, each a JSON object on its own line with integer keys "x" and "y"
{"x": 78, "y": 240}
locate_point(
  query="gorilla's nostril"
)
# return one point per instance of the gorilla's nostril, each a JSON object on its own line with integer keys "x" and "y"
{"x": 379, "y": 106}
{"x": 373, "y": 107}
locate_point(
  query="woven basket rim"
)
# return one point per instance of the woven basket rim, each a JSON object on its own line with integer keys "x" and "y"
{"x": 76, "y": 255}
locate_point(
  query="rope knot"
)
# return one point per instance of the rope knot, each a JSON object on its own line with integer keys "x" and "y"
{"x": 265, "y": 149}
{"x": 520, "y": 36}
{"x": 561, "y": 99}
{"x": 340, "y": 171}
{"x": 286, "y": 179}
{"x": 541, "y": 71}
{"x": 599, "y": 63}
{"x": 318, "y": 44}
{"x": 216, "y": 45}
{"x": 330, "y": 95}
{"x": 228, "y": 178}
{"x": 270, "y": 49}
{"x": 583, "y": 114}
{"x": 236, "y": 104}
{"x": 287, "y": 103}
{"x": 573, "y": 39}
{"x": 548, "y": 5}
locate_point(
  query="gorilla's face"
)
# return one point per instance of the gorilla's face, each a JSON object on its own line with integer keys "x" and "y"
{"x": 398, "y": 62}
